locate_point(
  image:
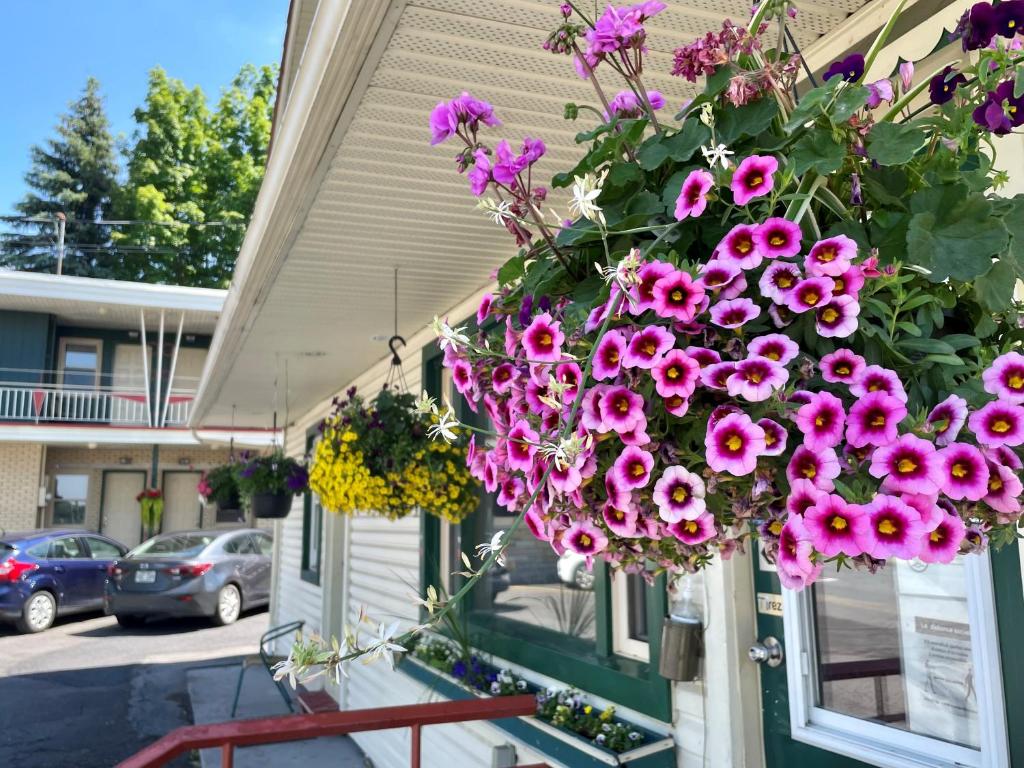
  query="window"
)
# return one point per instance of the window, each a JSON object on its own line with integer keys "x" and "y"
{"x": 100, "y": 549}
{"x": 241, "y": 545}
{"x": 80, "y": 363}
{"x": 66, "y": 548}
{"x": 312, "y": 530}
{"x": 69, "y": 499}
{"x": 175, "y": 545}
{"x": 629, "y": 616}
{"x": 264, "y": 544}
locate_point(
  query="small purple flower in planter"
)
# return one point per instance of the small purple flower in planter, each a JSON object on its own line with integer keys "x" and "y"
{"x": 977, "y": 26}
{"x": 1009, "y": 18}
{"x": 942, "y": 87}
{"x": 993, "y": 115}
{"x": 850, "y": 69}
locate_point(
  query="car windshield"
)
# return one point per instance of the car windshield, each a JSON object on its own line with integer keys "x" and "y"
{"x": 180, "y": 545}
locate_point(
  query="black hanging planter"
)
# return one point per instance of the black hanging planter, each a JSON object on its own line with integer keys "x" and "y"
{"x": 271, "y": 505}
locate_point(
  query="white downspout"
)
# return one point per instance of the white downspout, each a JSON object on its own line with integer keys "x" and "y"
{"x": 145, "y": 367}
{"x": 174, "y": 365}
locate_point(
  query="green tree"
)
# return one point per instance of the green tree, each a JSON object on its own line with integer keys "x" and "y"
{"x": 74, "y": 173}
{"x": 193, "y": 175}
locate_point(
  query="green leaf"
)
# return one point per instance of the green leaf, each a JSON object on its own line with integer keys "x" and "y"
{"x": 951, "y": 360}
{"x": 849, "y": 100}
{"x": 512, "y": 270}
{"x": 715, "y": 83}
{"x": 894, "y": 144}
{"x": 816, "y": 150}
{"x": 994, "y": 290}
{"x": 748, "y": 120}
{"x": 960, "y": 341}
{"x": 933, "y": 346}
{"x": 810, "y": 106}
{"x": 957, "y": 242}
{"x": 693, "y": 135}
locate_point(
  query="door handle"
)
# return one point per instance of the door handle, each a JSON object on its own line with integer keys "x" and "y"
{"x": 767, "y": 651}
{"x": 58, "y": 569}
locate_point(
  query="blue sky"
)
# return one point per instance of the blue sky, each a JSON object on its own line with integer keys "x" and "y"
{"x": 49, "y": 47}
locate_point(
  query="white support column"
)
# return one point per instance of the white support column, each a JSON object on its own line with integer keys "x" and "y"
{"x": 145, "y": 367}
{"x": 174, "y": 364}
{"x": 159, "y": 370}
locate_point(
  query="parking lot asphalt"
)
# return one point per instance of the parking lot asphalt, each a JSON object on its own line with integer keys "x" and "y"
{"x": 88, "y": 693}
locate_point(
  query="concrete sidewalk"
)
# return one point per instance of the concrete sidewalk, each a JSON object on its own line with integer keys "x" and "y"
{"x": 212, "y": 690}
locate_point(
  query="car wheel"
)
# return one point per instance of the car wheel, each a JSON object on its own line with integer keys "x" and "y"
{"x": 583, "y": 578}
{"x": 229, "y": 605}
{"x": 130, "y": 622}
{"x": 38, "y": 613}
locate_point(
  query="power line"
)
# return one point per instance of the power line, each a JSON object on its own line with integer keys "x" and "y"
{"x": 125, "y": 222}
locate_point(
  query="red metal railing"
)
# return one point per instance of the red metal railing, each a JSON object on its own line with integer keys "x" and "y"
{"x": 271, "y": 730}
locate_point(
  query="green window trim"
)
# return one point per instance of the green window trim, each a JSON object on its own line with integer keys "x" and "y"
{"x": 594, "y": 669}
{"x": 309, "y": 570}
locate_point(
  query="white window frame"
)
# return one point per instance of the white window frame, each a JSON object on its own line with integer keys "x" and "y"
{"x": 97, "y": 343}
{"x": 622, "y": 643}
{"x": 883, "y": 745}
{"x": 53, "y": 499}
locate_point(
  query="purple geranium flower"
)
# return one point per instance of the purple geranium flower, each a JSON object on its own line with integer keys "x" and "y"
{"x": 993, "y": 115}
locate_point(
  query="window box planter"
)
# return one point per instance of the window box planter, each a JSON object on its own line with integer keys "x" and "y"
{"x": 271, "y": 505}
{"x": 654, "y": 750}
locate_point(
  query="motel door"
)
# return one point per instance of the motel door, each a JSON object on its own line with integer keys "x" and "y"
{"x": 182, "y": 510}
{"x": 899, "y": 669}
{"x": 119, "y": 514}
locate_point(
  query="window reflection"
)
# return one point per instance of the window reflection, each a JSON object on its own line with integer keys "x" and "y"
{"x": 895, "y": 648}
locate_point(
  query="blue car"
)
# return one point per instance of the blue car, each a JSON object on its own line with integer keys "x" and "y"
{"x": 49, "y": 573}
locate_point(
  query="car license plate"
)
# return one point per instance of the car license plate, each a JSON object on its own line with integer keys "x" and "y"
{"x": 145, "y": 577}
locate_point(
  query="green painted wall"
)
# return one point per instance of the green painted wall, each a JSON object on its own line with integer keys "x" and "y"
{"x": 26, "y": 343}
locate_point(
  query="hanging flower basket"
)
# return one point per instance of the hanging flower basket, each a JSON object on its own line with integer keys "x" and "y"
{"x": 801, "y": 325}
{"x": 270, "y": 483}
{"x": 219, "y": 487}
{"x": 151, "y": 510}
{"x": 381, "y": 460}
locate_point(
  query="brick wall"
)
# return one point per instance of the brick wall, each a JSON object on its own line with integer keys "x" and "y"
{"x": 20, "y": 465}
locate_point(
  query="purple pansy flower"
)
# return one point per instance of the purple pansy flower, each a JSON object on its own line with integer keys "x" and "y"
{"x": 850, "y": 69}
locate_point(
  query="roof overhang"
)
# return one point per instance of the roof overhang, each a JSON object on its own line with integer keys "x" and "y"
{"x": 74, "y": 434}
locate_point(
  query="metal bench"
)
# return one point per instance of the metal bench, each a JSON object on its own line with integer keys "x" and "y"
{"x": 267, "y": 660}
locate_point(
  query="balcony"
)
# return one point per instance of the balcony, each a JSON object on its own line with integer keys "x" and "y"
{"x": 47, "y": 403}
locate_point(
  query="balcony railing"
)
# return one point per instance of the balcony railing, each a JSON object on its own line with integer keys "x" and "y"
{"x": 47, "y": 403}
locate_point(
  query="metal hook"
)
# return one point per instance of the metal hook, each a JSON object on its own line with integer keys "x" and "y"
{"x": 395, "y": 359}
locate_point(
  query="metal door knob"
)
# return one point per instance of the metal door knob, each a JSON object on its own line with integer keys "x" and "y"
{"x": 767, "y": 651}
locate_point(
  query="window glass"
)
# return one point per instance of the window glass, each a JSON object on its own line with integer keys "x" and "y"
{"x": 636, "y": 607}
{"x": 69, "y": 499}
{"x": 80, "y": 364}
{"x": 102, "y": 550}
{"x": 174, "y": 545}
{"x": 316, "y": 517}
{"x": 265, "y": 544}
{"x": 895, "y": 648}
{"x": 40, "y": 550}
{"x": 66, "y": 548}
{"x": 240, "y": 545}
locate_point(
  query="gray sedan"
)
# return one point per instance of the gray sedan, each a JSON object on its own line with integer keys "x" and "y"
{"x": 191, "y": 573}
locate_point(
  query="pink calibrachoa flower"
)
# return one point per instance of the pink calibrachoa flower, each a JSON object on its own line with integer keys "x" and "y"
{"x": 998, "y": 424}
{"x": 942, "y": 543}
{"x": 733, "y": 445}
{"x": 565, "y": 478}
{"x": 590, "y": 408}
{"x": 754, "y": 177}
{"x": 503, "y": 377}
{"x": 774, "y": 437}
{"x": 831, "y": 257}
{"x": 679, "y": 495}
{"x": 648, "y": 275}
{"x": 694, "y": 532}
{"x": 608, "y": 359}
{"x": 774, "y": 346}
{"x": 647, "y": 346}
{"x": 809, "y": 293}
{"x": 756, "y": 378}
{"x": 543, "y": 339}
{"x": 1005, "y": 378}
{"x": 831, "y": 523}
{"x": 778, "y": 280}
{"x": 509, "y": 493}
{"x": 621, "y": 410}
{"x": 874, "y": 420}
{"x": 734, "y": 313}
{"x": 889, "y": 527}
{"x": 677, "y": 296}
{"x": 722, "y": 277}
{"x": 821, "y": 420}
{"x": 703, "y": 356}
{"x": 1004, "y": 455}
{"x": 848, "y": 283}
{"x": 802, "y": 495}
{"x": 875, "y": 378}
{"x": 1004, "y": 490}
{"x": 778, "y": 238}
{"x": 677, "y": 405}
{"x": 909, "y": 465}
{"x": 584, "y": 538}
{"x": 947, "y": 419}
{"x": 842, "y": 366}
{"x": 795, "y": 562}
{"x": 927, "y": 506}
{"x": 964, "y": 472}
{"x": 693, "y": 198}
{"x": 739, "y": 247}
{"x": 569, "y": 376}
{"x": 632, "y": 469}
{"x": 716, "y": 375}
{"x": 838, "y": 318}
{"x": 522, "y": 446}
{"x": 484, "y": 309}
{"x": 462, "y": 376}
{"x": 819, "y": 467}
{"x": 622, "y": 521}
{"x": 675, "y": 374}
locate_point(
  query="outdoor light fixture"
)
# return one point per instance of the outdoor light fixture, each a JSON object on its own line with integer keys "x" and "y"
{"x": 682, "y": 639}
{"x": 125, "y": 460}
{"x": 184, "y": 461}
{"x": 133, "y": 334}
{"x": 190, "y": 338}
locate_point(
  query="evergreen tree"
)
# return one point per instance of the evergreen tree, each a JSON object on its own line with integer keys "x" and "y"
{"x": 74, "y": 173}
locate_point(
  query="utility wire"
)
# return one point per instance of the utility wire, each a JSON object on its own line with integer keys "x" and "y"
{"x": 126, "y": 222}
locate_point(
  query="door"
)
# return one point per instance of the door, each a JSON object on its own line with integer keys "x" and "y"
{"x": 901, "y": 668}
{"x": 246, "y": 565}
{"x": 120, "y": 518}
{"x": 264, "y": 562}
{"x": 182, "y": 509}
{"x": 68, "y": 564}
{"x": 102, "y": 553}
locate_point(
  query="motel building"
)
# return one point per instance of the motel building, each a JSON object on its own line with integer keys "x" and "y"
{"x": 918, "y": 666}
{"x": 97, "y": 385}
